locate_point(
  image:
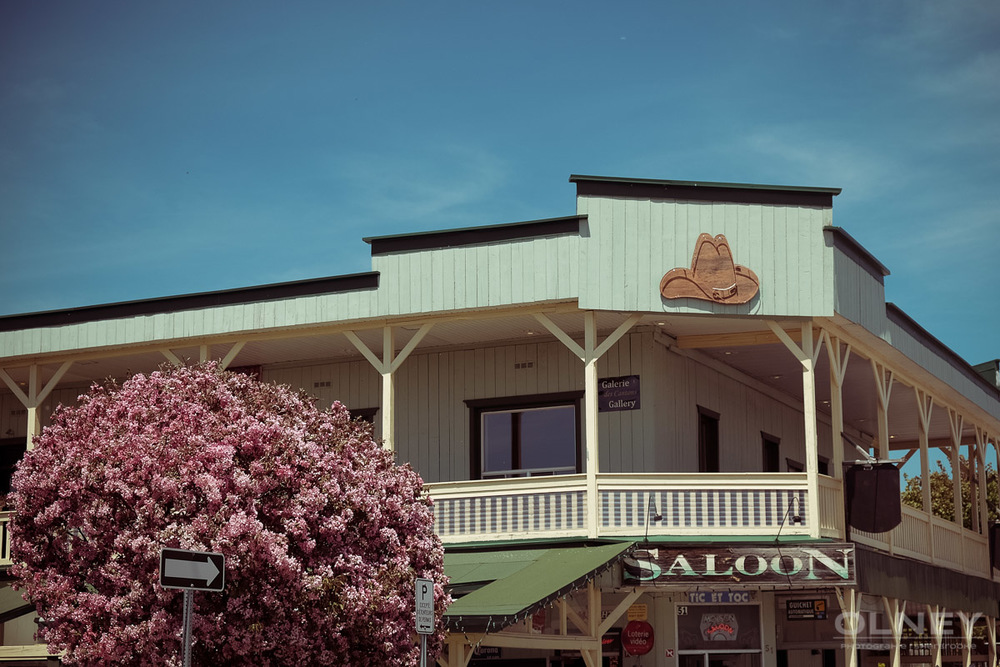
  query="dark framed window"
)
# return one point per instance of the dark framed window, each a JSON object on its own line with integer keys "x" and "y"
{"x": 364, "y": 414}
{"x": 708, "y": 440}
{"x": 771, "y": 450}
{"x": 524, "y": 436}
{"x": 11, "y": 452}
{"x": 822, "y": 465}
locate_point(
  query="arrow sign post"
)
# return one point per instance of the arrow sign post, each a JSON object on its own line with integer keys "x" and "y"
{"x": 191, "y": 571}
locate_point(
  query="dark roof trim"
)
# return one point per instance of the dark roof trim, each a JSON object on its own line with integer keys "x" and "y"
{"x": 905, "y": 322}
{"x": 737, "y": 193}
{"x": 171, "y": 304}
{"x": 848, "y": 245}
{"x": 451, "y": 238}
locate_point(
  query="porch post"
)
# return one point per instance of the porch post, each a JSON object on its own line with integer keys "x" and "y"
{"x": 883, "y": 384}
{"x": 936, "y": 615}
{"x": 991, "y": 641}
{"x": 807, "y": 355}
{"x": 388, "y": 390}
{"x": 590, "y": 418}
{"x": 589, "y": 354}
{"x": 956, "y": 422}
{"x": 35, "y": 396}
{"x": 925, "y": 405}
{"x": 895, "y": 609}
{"x": 838, "y": 370}
{"x": 387, "y": 367}
{"x": 850, "y": 607}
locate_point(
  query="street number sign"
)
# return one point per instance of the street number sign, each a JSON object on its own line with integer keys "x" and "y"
{"x": 425, "y": 606}
{"x": 192, "y": 570}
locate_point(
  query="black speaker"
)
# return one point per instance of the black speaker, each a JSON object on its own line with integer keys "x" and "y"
{"x": 873, "y": 502}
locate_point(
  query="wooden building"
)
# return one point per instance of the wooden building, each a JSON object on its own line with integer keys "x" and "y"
{"x": 634, "y": 422}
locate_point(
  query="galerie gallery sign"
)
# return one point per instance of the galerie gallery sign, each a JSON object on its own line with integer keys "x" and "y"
{"x": 824, "y": 564}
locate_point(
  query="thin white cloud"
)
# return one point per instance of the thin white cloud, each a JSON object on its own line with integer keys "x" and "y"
{"x": 823, "y": 162}
{"x": 439, "y": 183}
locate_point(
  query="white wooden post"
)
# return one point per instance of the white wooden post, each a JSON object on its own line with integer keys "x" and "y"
{"x": 807, "y": 356}
{"x": 838, "y": 370}
{"x": 883, "y": 385}
{"x": 956, "y": 422}
{"x": 34, "y": 397}
{"x": 387, "y": 367}
{"x": 936, "y": 615}
{"x": 925, "y": 406}
{"x": 589, "y": 354}
{"x": 850, "y": 610}
{"x": 895, "y": 612}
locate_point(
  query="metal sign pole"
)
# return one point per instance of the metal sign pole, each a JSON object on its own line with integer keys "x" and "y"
{"x": 188, "y": 612}
{"x": 423, "y": 650}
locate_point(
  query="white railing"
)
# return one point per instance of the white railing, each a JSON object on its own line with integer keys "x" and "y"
{"x": 556, "y": 506}
{"x": 499, "y": 509}
{"x": 702, "y": 504}
{"x": 5, "y": 538}
{"x": 931, "y": 539}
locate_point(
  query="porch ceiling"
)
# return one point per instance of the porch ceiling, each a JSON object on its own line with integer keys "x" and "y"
{"x": 734, "y": 345}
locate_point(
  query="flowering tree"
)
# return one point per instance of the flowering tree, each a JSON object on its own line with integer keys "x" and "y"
{"x": 323, "y": 535}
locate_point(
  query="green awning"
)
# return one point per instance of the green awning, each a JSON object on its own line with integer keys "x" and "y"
{"x": 503, "y": 587}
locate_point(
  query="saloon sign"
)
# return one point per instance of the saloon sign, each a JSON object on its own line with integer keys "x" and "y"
{"x": 829, "y": 564}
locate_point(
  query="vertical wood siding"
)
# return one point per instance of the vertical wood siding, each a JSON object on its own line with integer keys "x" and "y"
{"x": 432, "y": 419}
{"x": 633, "y": 243}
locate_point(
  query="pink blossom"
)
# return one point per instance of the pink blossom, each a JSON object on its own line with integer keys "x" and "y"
{"x": 322, "y": 532}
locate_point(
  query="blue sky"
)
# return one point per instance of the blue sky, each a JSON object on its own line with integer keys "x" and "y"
{"x": 157, "y": 148}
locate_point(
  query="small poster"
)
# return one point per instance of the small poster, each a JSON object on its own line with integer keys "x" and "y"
{"x": 806, "y": 610}
{"x": 616, "y": 394}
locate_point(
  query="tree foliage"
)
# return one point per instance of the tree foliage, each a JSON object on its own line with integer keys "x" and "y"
{"x": 323, "y": 534}
{"x": 942, "y": 493}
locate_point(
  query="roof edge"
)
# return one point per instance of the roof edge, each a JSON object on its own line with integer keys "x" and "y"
{"x": 896, "y": 315}
{"x": 463, "y": 236}
{"x": 169, "y": 304}
{"x": 708, "y": 191}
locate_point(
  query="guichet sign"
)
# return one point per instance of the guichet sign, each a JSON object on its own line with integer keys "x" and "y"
{"x": 828, "y": 564}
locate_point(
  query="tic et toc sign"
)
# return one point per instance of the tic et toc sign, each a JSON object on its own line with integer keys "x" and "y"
{"x": 620, "y": 393}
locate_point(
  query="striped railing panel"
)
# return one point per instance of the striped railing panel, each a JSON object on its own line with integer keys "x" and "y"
{"x": 704, "y": 510}
{"x": 538, "y": 514}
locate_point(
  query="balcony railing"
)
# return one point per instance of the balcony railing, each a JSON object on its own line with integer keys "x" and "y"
{"x": 5, "y": 538}
{"x": 716, "y": 504}
{"x": 692, "y": 504}
{"x": 931, "y": 539}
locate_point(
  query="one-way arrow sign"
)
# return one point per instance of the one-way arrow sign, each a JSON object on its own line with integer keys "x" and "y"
{"x": 192, "y": 570}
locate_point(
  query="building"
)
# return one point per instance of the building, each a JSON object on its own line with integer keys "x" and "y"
{"x": 634, "y": 421}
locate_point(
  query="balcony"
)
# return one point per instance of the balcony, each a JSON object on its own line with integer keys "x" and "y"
{"x": 690, "y": 504}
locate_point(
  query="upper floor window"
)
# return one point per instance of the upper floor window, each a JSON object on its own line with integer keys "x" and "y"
{"x": 524, "y": 436}
{"x": 708, "y": 440}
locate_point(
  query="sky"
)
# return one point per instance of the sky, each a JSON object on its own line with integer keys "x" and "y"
{"x": 156, "y": 148}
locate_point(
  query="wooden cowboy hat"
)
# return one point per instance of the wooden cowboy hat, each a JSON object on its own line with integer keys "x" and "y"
{"x": 713, "y": 275}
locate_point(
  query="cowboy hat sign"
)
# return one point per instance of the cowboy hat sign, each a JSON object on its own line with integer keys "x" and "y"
{"x": 713, "y": 275}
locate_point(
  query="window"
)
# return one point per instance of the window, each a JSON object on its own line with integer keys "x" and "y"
{"x": 524, "y": 436}
{"x": 771, "y": 451}
{"x": 11, "y": 452}
{"x": 364, "y": 414}
{"x": 708, "y": 440}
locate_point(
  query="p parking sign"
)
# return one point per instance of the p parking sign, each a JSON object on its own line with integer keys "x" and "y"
{"x": 425, "y": 606}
